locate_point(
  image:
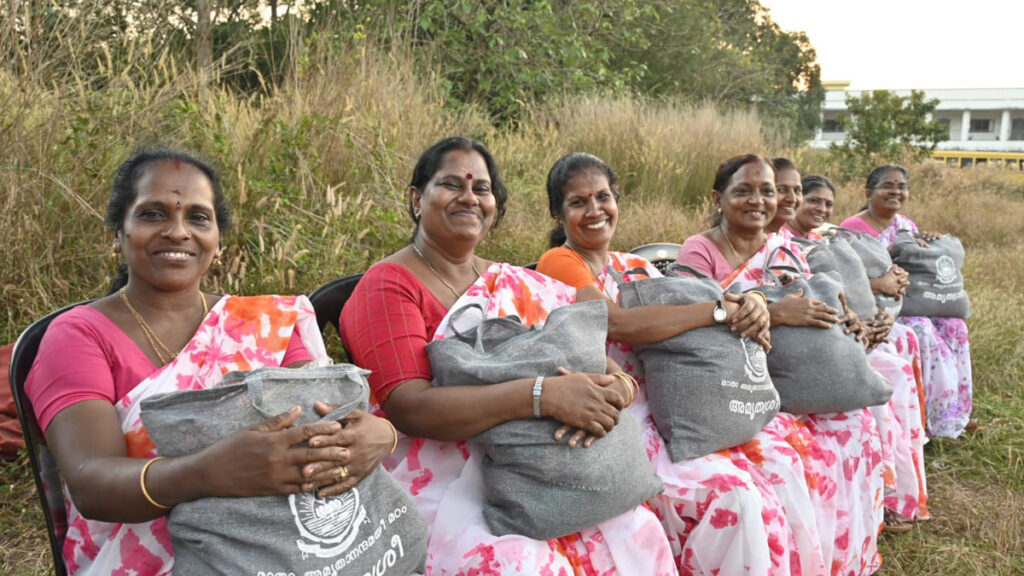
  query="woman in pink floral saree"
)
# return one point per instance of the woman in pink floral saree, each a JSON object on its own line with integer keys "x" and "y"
{"x": 161, "y": 333}
{"x": 843, "y": 462}
{"x": 404, "y": 302}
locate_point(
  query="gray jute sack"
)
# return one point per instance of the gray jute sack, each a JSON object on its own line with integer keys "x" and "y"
{"x": 372, "y": 528}
{"x": 936, "y": 276}
{"x": 533, "y": 485}
{"x": 877, "y": 263}
{"x": 821, "y": 370}
{"x": 707, "y": 388}
{"x": 837, "y": 255}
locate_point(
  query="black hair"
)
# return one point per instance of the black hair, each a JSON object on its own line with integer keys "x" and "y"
{"x": 564, "y": 170}
{"x": 125, "y": 189}
{"x": 729, "y": 168}
{"x": 815, "y": 181}
{"x": 430, "y": 162}
{"x": 876, "y": 176}
{"x": 779, "y": 164}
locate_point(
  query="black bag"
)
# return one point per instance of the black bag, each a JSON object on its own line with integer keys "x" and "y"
{"x": 936, "y": 276}
{"x": 372, "y": 526}
{"x": 877, "y": 263}
{"x": 533, "y": 485}
{"x": 707, "y": 388}
{"x": 820, "y": 370}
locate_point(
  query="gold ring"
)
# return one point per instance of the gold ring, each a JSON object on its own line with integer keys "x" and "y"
{"x": 343, "y": 472}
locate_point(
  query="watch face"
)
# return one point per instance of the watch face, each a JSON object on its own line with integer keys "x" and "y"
{"x": 719, "y": 314}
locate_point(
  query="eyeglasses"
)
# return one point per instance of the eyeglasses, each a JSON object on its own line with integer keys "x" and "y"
{"x": 890, "y": 186}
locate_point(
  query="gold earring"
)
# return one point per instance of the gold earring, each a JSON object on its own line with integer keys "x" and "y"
{"x": 217, "y": 261}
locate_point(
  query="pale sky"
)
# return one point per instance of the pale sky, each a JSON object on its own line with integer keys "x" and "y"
{"x": 920, "y": 44}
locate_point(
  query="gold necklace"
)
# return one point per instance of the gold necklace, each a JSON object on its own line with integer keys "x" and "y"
{"x": 438, "y": 276}
{"x": 731, "y": 247}
{"x": 154, "y": 341}
{"x": 593, "y": 272}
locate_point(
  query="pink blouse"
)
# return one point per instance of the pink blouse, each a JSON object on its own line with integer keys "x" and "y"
{"x": 85, "y": 356}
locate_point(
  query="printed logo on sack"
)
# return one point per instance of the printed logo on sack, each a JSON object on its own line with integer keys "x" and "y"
{"x": 945, "y": 269}
{"x": 756, "y": 365}
{"x": 328, "y": 525}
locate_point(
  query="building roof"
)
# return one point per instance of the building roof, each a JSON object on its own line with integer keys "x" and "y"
{"x": 949, "y": 98}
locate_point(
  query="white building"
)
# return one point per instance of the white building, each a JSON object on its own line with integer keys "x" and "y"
{"x": 989, "y": 120}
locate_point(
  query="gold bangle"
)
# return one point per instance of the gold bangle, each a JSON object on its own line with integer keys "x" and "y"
{"x": 142, "y": 484}
{"x": 764, "y": 299}
{"x": 631, "y": 385}
{"x": 393, "y": 431}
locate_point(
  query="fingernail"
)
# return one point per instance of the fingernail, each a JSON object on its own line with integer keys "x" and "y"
{"x": 314, "y": 443}
{"x": 295, "y": 409}
{"x": 343, "y": 453}
{"x": 307, "y": 487}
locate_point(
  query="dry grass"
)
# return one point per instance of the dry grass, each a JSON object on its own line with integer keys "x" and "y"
{"x": 316, "y": 168}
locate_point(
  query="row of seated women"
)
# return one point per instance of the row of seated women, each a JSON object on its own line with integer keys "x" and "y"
{"x": 805, "y": 496}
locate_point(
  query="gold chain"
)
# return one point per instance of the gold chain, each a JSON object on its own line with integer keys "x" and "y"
{"x": 438, "y": 276}
{"x": 594, "y": 273}
{"x": 154, "y": 342}
{"x": 733, "y": 248}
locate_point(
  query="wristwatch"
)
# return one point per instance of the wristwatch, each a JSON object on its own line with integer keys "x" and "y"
{"x": 719, "y": 313}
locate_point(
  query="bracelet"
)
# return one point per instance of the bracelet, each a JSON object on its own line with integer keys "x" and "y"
{"x": 538, "y": 387}
{"x": 393, "y": 431}
{"x": 764, "y": 299}
{"x": 631, "y": 384}
{"x": 142, "y": 484}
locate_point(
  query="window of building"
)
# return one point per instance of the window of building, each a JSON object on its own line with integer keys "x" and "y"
{"x": 1017, "y": 129}
{"x": 832, "y": 125}
{"x": 981, "y": 125}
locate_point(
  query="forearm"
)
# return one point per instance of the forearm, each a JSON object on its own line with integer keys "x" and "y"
{"x": 647, "y": 324}
{"x": 457, "y": 412}
{"x": 168, "y": 481}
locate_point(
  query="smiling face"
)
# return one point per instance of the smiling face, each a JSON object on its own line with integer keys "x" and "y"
{"x": 457, "y": 203}
{"x": 889, "y": 195}
{"x": 589, "y": 210}
{"x": 748, "y": 202}
{"x": 169, "y": 235}
{"x": 815, "y": 210}
{"x": 789, "y": 194}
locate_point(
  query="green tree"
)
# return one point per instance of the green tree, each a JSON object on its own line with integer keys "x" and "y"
{"x": 882, "y": 123}
{"x": 730, "y": 52}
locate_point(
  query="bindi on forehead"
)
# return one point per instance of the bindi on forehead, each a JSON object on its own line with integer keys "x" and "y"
{"x": 469, "y": 175}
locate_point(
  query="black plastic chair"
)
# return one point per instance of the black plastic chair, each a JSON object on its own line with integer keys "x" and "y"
{"x": 660, "y": 254}
{"x": 44, "y": 467}
{"x": 329, "y": 299}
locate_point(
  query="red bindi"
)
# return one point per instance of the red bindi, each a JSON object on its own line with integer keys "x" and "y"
{"x": 176, "y": 191}
{"x": 469, "y": 175}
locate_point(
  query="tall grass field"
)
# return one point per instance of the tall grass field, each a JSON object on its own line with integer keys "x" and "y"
{"x": 316, "y": 172}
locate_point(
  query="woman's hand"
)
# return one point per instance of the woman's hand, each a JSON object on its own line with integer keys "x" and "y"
{"x": 365, "y": 440}
{"x": 881, "y": 325}
{"x": 893, "y": 283}
{"x": 795, "y": 310}
{"x": 267, "y": 459}
{"x": 854, "y": 325}
{"x": 923, "y": 238}
{"x": 587, "y": 404}
{"x": 748, "y": 314}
